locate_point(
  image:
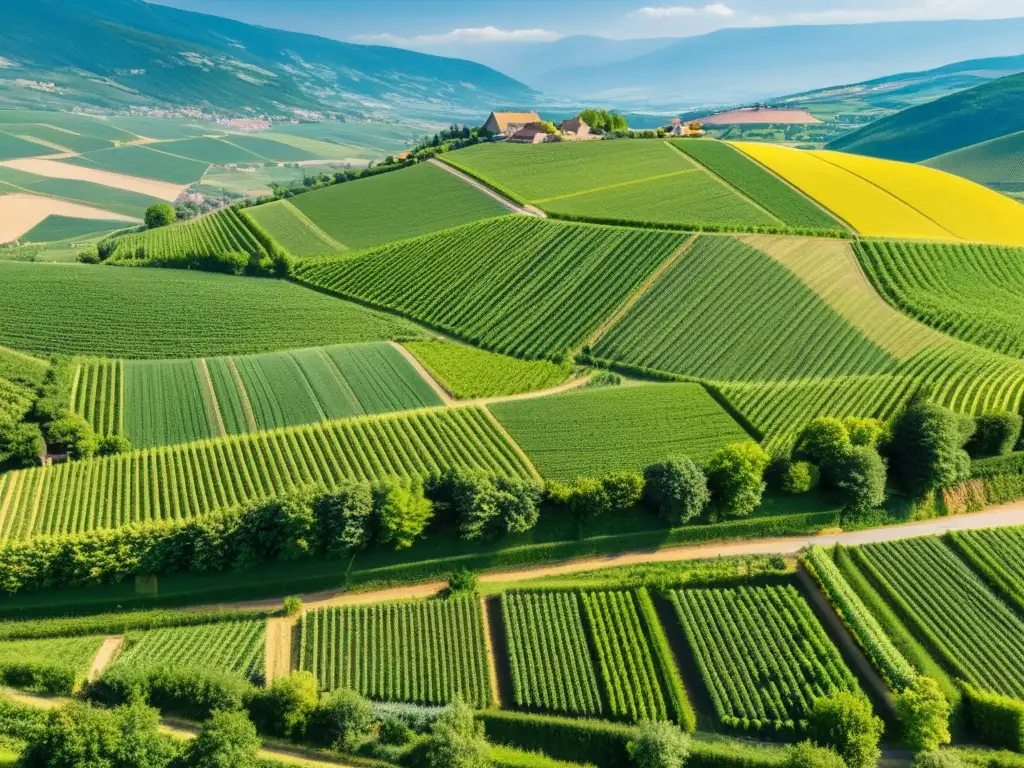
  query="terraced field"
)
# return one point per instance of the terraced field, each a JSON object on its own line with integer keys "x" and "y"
{"x": 971, "y": 291}
{"x": 421, "y": 652}
{"x": 294, "y": 231}
{"x": 230, "y": 646}
{"x": 761, "y": 653}
{"x": 589, "y": 432}
{"x": 146, "y": 308}
{"x": 183, "y": 481}
{"x": 973, "y": 633}
{"x": 394, "y": 206}
{"x": 213, "y": 234}
{"x": 517, "y": 285}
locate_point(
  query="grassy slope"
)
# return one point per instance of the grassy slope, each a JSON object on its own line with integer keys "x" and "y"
{"x": 517, "y": 285}
{"x": 293, "y": 230}
{"x": 984, "y": 112}
{"x": 145, "y": 307}
{"x": 998, "y": 163}
{"x": 593, "y": 431}
{"x": 55, "y": 228}
{"x": 150, "y": 162}
{"x": 396, "y": 205}
{"x": 12, "y": 147}
{"x": 468, "y": 372}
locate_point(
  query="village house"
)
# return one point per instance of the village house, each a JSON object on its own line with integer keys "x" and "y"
{"x": 530, "y": 134}
{"x": 678, "y": 128}
{"x": 574, "y": 129}
{"x": 508, "y": 123}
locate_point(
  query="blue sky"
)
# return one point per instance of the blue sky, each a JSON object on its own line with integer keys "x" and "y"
{"x": 454, "y": 24}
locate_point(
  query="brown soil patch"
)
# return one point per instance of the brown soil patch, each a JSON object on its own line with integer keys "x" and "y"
{"x": 279, "y": 648}
{"x": 105, "y": 655}
{"x": 19, "y": 213}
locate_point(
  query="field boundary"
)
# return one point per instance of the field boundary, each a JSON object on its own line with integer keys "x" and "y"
{"x": 107, "y": 653}
{"x": 618, "y": 185}
{"x": 250, "y": 417}
{"x": 210, "y": 395}
{"x": 645, "y": 286}
{"x": 474, "y": 181}
{"x": 511, "y": 441}
{"x": 278, "y": 648}
{"x": 319, "y": 233}
{"x": 492, "y": 662}
{"x": 446, "y": 397}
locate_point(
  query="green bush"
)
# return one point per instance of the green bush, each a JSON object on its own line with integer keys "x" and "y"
{"x": 868, "y": 433}
{"x": 845, "y": 722}
{"x": 284, "y": 709}
{"x": 394, "y": 731}
{"x": 736, "y": 477}
{"x": 463, "y": 581}
{"x": 225, "y": 740}
{"x": 54, "y": 677}
{"x": 111, "y": 445}
{"x": 800, "y": 477}
{"x": 659, "y": 745}
{"x": 599, "y": 742}
{"x": 188, "y": 693}
{"x": 402, "y": 513}
{"x": 996, "y": 434}
{"x": 939, "y": 759}
{"x": 677, "y": 489}
{"x": 74, "y": 435}
{"x": 997, "y": 721}
{"x": 927, "y": 449}
{"x": 456, "y": 740}
{"x": 343, "y": 720}
{"x": 860, "y": 478}
{"x": 159, "y": 215}
{"x": 623, "y": 489}
{"x": 21, "y": 443}
{"x": 487, "y": 506}
{"x": 924, "y": 714}
{"x": 824, "y": 441}
{"x": 807, "y": 755}
{"x": 343, "y": 519}
{"x": 292, "y": 605}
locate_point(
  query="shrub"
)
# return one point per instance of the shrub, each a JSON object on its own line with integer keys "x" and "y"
{"x": 924, "y": 713}
{"x": 402, "y": 512}
{"x": 867, "y": 433}
{"x": 90, "y": 255}
{"x": 21, "y": 443}
{"x": 800, "y": 477}
{"x": 996, "y": 434}
{"x": 111, "y": 445}
{"x": 807, "y": 755}
{"x": 394, "y": 731}
{"x": 997, "y": 721}
{"x": 860, "y": 477}
{"x": 938, "y": 759}
{"x": 141, "y": 743}
{"x": 292, "y": 605}
{"x": 659, "y": 745}
{"x": 283, "y": 710}
{"x": 73, "y": 434}
{"x": 456, "y": 740}
{"x": 487, "y": 506}
{"x": 189, "y": 693}
{"x": 588, "y": 498}
{"x": 823, "y": 442}
{"x": 54, "y": 677}
{"x": 73, "y": 736}
{"x": 278, "y": 529}
{"x": 677, "y": 489}
{"x": 736, "y": 477}
{"x": 159, "y": 215}
{"x": 342, "y": 721}
{"x": 926, "y": 449}
{"x": 463, "y": 581}
{"x": 623, "y": 489}
{"x": 845, "y": 722}
{"x": 343, "y": 519}
{"x": 226, "y": 740}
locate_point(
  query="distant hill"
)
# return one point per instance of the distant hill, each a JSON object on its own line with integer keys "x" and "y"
{"x": 978, "y": 114}
{"x": 998, "y": 163}
{"x": 115, "y": 53}
{"x": 741, "y": 64}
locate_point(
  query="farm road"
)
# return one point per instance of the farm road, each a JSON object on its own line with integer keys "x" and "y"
{"x": 996, "y": 517}
{"x": 513, "y": 206}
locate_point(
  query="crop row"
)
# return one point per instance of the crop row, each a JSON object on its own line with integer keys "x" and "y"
{"x": 549, "y": 654}
{"x": 972, "y": 631}
{"x": 518, "y": 285}
{"x": 424, "y": 652}
{"x": 761, "y": 653}
{"x": 970, "y": 291}
{"x": 179, "y": 482}
{"x": 998, "y": 554}
{"x": 216, "y": 233}
{"x": 232, "y": 646}
{"x": 99, "y": 395}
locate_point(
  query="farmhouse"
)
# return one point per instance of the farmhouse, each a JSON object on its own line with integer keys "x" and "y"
{"x": 531, "y": 134}
{"x": 509, "y": 122}
{"x": 574, "y": 128}
{"x": 762, "y": 116}
{"x": 678, "y": 128}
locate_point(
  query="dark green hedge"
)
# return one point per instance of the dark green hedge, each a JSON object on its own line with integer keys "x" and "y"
{"x": 1010, "y": 464}
{"x": 997, "y": 721}
{"x": 55, "y": 678}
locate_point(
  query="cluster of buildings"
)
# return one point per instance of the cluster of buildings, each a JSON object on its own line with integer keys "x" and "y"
{"x": 528, "y": 128}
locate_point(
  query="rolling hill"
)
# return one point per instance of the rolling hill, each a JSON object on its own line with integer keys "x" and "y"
{"x": 997, "y": 163}
{"x": 978, "y": 114}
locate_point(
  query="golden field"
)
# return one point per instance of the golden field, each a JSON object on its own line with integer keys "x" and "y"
{"x": 884, "y": 198}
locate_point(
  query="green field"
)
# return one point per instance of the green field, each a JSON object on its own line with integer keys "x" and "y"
{"x": 159, "y": 127}
{"x": 164, "y": 403}
{"x": 539, "y": 172}
{"x": 591, "y": 432}
{"x": 517, "y": 285}
{"x": 17, "y": 366}
{"x": 424, "y": 652}
{"x": 174, "y": 483}
{"x": 997, "y": 163}
{"x": 211, "y": 151}
{"x": 969, "y": 291}
{"x": 86, "y": 125}
{"x": 11, "y": 147}
{"x": 223, "y": 232}
{"x": 952, "y": 610}
{"x": 149, "y": 162}
{"x": 73, "y": 142}
{"x": 271, "y": 149}
{"x": 54, "y": 228}
{"x": 238, "y": 647}
{"x": 691, "y": 199}
{"x": 467, "y": 372}
{"x": 138, "y": 313}
{"x": 96, "y": 195}
{"x": 74, "y": 652}
{"x": 396, "y": 205}
{"x": 349, "y": 139}
{"x": 757, "y": 183}
{"x": 762, "y": 654}
{"x": 998, "y": 554}
{"x": 293, "y": 230}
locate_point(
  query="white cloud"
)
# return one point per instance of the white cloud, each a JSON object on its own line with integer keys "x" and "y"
{"x": 468, "y": 35}
{"x": 679, "y": 11}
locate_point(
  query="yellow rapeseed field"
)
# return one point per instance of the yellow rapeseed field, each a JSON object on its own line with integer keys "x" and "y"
{"x": 968, "y": 210}
{"x": 867, "y": 208}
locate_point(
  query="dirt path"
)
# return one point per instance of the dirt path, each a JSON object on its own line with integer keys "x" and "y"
{"x": 445, "y": 395}
{"x": 568, "y": 386}
{"x": 996, "y": 517}
{"x": 510, "y": 204}
{"x": 105, "y": 655}
{"x": 54, "y": 170}
{"x": 19, "y": 213}
{"x": 279, "y": 648}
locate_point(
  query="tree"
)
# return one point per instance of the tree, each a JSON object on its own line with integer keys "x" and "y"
{"x": 924, "y": 712}
{"x": 736, "y": 477}
{"x": 74, "y": 736}
{"x": 547, "y": 126}
{"x": 824, "y": 441}
{"x": 74, "y": 434}
{"x": 659, "y": 745}
{"x": 870, "y": 433}
{"x": 845, "y": 722}
{"x": 623, "y": 489}
{"x": 456, "y": 740}
{"x": 860, "y": 477}
{"x": 678, "y": 489}
{"x": 588, "y": 498}
{"x": 800, "y": 477}
{"x": 927, "y": 449}
{"x": 284, "y": 709}
{"x": 343, "y": 519}
{"x": 342, "y": 721}
{"x": 807, "y": 755}
{"x": 21, "y": 443}
{"x": 110, "y": 445}
{"x": 225, "y": 740}
{"x": 141, "y": 744}
{"x": 402, "y": 512}
{"x": 996, "y": 434}
{"x": 159, "y": 215}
